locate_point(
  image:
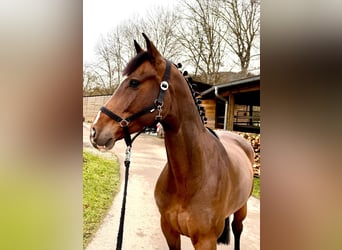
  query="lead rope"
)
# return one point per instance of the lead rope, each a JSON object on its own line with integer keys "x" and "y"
{"x": 123, "y": 208}
{"x": 127, "y": 162}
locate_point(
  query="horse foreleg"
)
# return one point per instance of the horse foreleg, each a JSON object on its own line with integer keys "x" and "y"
{"x": 237, "y": 225}
{"x": 172, "y": 236}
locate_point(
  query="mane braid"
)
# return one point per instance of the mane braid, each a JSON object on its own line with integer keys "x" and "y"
{"x": 135, "y": 62}
{"x": 200, "y": 109}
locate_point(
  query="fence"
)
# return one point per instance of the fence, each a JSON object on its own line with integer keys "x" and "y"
{"x": 91, "y": 106}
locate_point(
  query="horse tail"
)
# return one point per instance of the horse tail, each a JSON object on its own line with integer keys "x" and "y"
{"x": 224, "y": 238}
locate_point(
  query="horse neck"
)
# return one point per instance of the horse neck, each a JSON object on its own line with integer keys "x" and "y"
{"x": 184, "y": 133}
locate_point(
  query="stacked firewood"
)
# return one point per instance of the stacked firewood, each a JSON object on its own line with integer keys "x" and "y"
{"x": 254, "y": 139}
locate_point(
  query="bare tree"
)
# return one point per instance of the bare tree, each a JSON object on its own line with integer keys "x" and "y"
{"x": 130, "y": 30}
{"x": 160, "y": 25}
{"x": 117, "y": 47}
{"x": 117, "y": 53}
{"x": 105, "y": 66}
{"x": 242, "y": 22}
{"x": 207, "y": 34}
{"x": 200, "y": 36}
{"x": 93, "y": 83}
{"x": 113, "y": 55}
{"x": 88, "y": 80}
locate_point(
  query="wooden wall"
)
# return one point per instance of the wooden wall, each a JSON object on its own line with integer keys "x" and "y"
{"x": 210, "y": 112}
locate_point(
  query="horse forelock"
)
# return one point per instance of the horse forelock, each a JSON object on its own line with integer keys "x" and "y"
{"x": 135, "y": 62}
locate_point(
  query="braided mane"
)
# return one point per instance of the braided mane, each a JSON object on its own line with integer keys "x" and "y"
{"x": 195, "y": 95}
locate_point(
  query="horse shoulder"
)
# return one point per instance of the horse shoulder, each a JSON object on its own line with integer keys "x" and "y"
{"x": 236, "y": 177}
{"x": 240, "y": 156}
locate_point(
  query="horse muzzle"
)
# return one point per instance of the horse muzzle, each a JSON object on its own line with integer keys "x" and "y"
{"x": 102, "y": 141}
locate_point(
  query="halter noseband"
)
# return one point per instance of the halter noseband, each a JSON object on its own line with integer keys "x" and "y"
{"x": 157, "y": 105}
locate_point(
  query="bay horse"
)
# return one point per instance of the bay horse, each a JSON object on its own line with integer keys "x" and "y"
{"x": 206, "y": 178}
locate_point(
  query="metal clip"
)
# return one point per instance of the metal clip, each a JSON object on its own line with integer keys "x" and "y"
{"x": 159, "y": 116}
{"x": 128, "y": 154}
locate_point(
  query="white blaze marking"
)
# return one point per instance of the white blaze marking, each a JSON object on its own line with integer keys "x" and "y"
{"x": 97, "y": 117}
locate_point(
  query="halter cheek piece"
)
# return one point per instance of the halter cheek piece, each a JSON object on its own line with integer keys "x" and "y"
{"x": 157, "y": 105}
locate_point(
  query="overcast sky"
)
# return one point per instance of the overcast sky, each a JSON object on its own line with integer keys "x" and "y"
{"x": 101, "y": 16}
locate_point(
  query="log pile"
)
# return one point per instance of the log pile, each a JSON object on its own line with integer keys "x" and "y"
{"x": 254, "y": 139}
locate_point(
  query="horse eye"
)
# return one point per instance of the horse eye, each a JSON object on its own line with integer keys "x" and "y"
{"x": 134, "y": 83}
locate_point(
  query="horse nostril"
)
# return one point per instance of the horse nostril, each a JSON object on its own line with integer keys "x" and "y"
{"x": 93, "y": 132}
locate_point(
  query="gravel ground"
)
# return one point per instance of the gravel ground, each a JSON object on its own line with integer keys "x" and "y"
{"x": 142, "y": 228}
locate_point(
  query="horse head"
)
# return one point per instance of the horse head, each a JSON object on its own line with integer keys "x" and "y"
{"x": 141, "y": 99}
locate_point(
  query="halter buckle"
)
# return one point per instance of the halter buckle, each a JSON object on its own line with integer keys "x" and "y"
{"x": 158, "y": 104}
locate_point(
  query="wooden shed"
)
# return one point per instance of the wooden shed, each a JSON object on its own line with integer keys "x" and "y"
{"x": 234, "y": 105}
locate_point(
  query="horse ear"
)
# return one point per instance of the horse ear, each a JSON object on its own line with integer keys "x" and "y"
{"x": 137, "y": 47}
{"x": 151, "y": 49}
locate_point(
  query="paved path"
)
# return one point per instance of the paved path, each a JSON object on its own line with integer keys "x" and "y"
{"x": 142, "y": 228}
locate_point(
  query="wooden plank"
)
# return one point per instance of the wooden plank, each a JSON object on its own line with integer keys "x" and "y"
{"x": 210, "y": 112}
{"x": 240, "y": 90}
{"x": 230, "y": 116}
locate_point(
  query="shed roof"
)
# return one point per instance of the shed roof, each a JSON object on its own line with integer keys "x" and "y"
{"x": 246, "y": 91}
{"x": 232, "y": 84}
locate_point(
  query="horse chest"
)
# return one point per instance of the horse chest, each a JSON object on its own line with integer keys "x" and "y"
{"x": 180, "y": 219}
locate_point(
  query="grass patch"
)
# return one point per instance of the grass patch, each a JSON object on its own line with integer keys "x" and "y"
{"x": 101, "y": 179}
{"x": 256, "y": 189}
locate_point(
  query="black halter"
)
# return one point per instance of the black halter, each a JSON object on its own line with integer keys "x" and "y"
{"x": 157, "y": 105}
